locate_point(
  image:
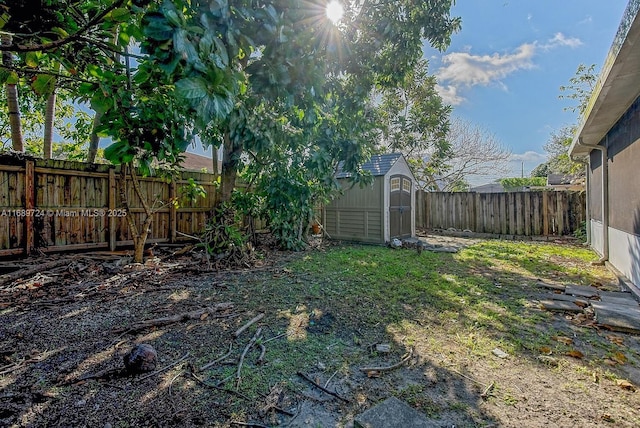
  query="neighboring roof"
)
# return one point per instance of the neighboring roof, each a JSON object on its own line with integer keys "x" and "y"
{"x": 617, "y": 87}
{"x": 560, "y": 179}
{"x": 378, "y": 165}
{"x": 488, "y": 188}
{"x": 194, "y": 162}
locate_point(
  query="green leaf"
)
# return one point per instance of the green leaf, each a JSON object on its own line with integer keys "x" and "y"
{"x": 192, "y": 88}
{"x": 100, "y": 103}
{"x": 12, "y": 79}
{"x": 173, "y": 18}
{"x": 157, "y": 28}
{"x": 121, "y": 14}
{"x": 31, "y": 59}
{"x": 44, "y": 84}
{"x": 119, "y": 152}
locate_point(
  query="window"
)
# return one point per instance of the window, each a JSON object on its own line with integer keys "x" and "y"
{"x": 406, "y": 185}
{"x": 395, "y": 184}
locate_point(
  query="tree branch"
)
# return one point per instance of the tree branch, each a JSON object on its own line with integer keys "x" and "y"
{"x": 61, "y": 42}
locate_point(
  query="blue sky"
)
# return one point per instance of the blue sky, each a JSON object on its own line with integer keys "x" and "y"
{"x": 503, "y": 71}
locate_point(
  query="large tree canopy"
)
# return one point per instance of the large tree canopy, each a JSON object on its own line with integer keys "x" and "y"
{"x": 284, "y": 90}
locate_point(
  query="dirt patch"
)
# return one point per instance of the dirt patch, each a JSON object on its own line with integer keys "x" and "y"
{"x": 64, "y": 332}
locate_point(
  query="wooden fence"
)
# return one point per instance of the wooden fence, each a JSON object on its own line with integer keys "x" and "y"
{"x": 60, "y": 205}
{"x": 535, "y": 213}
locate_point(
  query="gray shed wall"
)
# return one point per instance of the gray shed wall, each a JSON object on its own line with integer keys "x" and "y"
{"x": 358, "y": 215}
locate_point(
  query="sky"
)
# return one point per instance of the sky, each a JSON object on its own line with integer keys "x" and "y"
{"x": 503, "y": 70}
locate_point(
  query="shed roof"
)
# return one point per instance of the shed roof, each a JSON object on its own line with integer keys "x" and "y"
{"x": 378, "y": 165}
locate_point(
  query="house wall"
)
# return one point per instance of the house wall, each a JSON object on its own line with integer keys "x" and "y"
{"x": 623, "y": 153}
{"x": 358, "y": 215}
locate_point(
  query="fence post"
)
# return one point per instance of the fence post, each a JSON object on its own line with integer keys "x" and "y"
{"x": 112, "y": 206}
{"x": 545, "y": 213}
{"x": 29, "y": 199}
{"x": 173, "y": 213}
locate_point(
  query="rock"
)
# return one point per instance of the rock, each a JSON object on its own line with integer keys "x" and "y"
{"x": 141, "y": 358}
{"x": 500, "y": 353}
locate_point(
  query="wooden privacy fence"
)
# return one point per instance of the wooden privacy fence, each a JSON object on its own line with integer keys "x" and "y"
{"x": 535, "y": 213}
{"x": 57, "y": 205}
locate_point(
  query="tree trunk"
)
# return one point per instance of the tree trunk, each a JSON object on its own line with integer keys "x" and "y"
{"x": 94, "y": 142}
{"x": 49, "y": 116}
{"x": 230, "y": 160}
{"x": 12, "y": 99}
{"x": 139, "y": 236}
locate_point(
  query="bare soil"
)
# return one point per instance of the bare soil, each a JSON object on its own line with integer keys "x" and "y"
{"x": 64, "y": 332}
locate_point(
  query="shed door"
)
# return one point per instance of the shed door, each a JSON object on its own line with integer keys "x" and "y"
{"x": 400, "y": 206}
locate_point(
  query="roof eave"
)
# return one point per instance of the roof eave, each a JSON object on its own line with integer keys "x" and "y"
{"x": 618, "y": 85}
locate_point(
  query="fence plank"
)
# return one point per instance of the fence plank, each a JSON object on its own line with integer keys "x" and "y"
{"x": 508, "y": 213}
{"x": 67, "y": 194}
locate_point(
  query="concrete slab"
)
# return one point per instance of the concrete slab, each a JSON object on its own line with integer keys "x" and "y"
{"x": 618, "y": 298}
{"x": 392, "y": 413}
{"x": 582, "y": 290}
{"x": 560, "y": 306}
{"x": 617, "y": 317}
{"x": 566, "y": 298}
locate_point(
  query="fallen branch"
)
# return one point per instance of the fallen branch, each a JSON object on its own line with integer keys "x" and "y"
{"x": 175, "y": 363}
{"x": 253, "y": 340}
{"x": 217, "y": 360}
{"x": 263, "y": 350}
{"x": 249, "y": 424}
{"x": 404, "y": 359}
{"x": 26, "y": 272}
{"x": 322, "y": 388}
{"x": 247, "y": 325}
{"x": 193, "y": 315}
{"x": 274, "y": 337}
{"x": 488, "y": 390}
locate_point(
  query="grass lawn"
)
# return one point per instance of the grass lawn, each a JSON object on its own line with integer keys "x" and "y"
{"x": 476, "y": 348}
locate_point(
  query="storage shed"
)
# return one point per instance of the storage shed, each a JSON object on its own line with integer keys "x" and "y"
{"x": 379, "y": 212}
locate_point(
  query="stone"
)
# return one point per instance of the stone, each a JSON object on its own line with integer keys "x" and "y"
{"x": 618, "y": 298}
{"x": 392, "y": 413}
{"x": 141, "y": 358}
{"x": 617, "y": 317}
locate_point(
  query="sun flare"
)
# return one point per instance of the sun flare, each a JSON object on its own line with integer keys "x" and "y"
{"x": 335, "y": 11}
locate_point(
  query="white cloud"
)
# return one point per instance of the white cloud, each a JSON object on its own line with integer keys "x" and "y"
{"x": 560, "y": 39}
{"x": 449, "y": 95}
{"x": 464, "y": 69}
{"x": 529, "y": 156}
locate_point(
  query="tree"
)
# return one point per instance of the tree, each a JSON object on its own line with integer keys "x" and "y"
{"x": 541, "y": 170}
{"x": 580, "y": 88}
{"x": 71, "y": 124}
{"x": 11, "y": 90}
{"x": 263, "y": 78}
{"x": 416, "y": 121}
{"x": 557, "y": 148}
{"x": 473, "y": 152}
{"x": 289, "y": 65}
